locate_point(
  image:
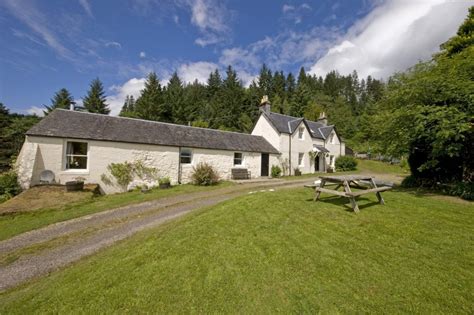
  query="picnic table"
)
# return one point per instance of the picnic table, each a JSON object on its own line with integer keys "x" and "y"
{"x": 346, "y": 181}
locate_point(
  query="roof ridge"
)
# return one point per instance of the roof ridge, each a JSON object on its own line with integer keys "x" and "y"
{"x": 157, "y": 122}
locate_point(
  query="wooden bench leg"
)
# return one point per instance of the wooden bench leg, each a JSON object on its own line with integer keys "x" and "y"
{"x": 347, "y": 189}
{"x": 318, "y": 193}
{"x": 378, "y": 194}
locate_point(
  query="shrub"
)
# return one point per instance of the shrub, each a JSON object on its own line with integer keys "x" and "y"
{"x": 463, "y": 190}
{"x": 124, "y": 173}
{"x": 276, "y": 171}
{"x": 346, "y": 163}
{"x": 297, "y": 172}
{"x": 9, "y": 186}
{"x": 410, "y": 182}
{"x": 164, "y": 181}
{"x": 204, "y": 175}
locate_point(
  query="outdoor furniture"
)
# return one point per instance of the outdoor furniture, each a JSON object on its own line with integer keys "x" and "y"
{"x": 240, "y": 173}
{"x": 46, "y": 177}
{"x": 345, "y": 181}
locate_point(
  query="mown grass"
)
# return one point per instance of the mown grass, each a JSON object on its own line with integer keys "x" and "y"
{"x": 12, "y": 224}
{"x": 278, "y": 252}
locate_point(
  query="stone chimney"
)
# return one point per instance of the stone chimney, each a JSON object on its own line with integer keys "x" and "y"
{"x": 71, "y": 106}
{"x": 323, "y": 118}
{"x": 265, "y": 105}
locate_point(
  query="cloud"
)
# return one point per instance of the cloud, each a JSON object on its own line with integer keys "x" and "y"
{"x": 120, "y": 92}
{"x": 35, "y": 110}
{"x": 26, "y": 12}
{"x": 87, "y": 7}
{"x": 113, "y": 44}
{"x": 211, "y": 18}
{"x": 142, "y": 54}
{"x": 189, "y": 72}
{"x": 393, "y": 37}
{"x": 295, "y": 13}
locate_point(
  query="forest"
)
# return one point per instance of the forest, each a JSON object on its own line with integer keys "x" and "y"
{"x": 424, "y": 114}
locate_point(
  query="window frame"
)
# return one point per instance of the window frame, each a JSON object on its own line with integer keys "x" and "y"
{"x": 241, "y": 159}
{"x": 66, "y": 156}
{"x": 181, "y": 151}
{"x": 300, "y": 159}
{"x": 301, "y": 133}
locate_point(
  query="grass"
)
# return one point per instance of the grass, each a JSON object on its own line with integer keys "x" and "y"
{"x": 278, "y": 253}
{"x": 363, "y": 166}
{"x": 12, "y": 224}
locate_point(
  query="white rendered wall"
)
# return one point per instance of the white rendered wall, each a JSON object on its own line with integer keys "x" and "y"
{"x": 44, "y": 153}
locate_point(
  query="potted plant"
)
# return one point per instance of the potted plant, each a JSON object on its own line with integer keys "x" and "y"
{"x": 164, "y": 182}
{"x": 76, "y": 185}
{"x": 144, "y": 189}
{"x": 297, "y": 172}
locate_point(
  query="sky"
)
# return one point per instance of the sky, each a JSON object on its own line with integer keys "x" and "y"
{"x": 48, "y": 45}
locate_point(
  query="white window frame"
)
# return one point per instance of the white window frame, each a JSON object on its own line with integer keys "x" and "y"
{"x": 66, "y": 155}
{"x": 300, "y": 159}
{"x": 301, "y": 133}
{"x": 331, "y": 139}
{"x": 190, "y": 156}
{"x": 241, "y": 159}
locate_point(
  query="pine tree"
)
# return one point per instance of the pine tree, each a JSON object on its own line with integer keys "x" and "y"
{"x": 231, "y": 98}
{"x": 265, "y": 81}
{"x": 174, "y": 98}
{"x": 62, "y": 99}
{"x": 95, "y": 100}
{"x": 150, "y": 105}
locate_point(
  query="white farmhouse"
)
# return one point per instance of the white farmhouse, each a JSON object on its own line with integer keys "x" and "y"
{"x": 306, "y": 145}
{"x": 74, "y": 144}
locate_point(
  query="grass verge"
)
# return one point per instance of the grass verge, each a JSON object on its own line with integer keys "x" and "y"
{"x": 12, "y": 224}
{"x": 278, "y": 252}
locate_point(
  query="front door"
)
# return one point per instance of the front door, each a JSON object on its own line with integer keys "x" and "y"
{"x": 265, "y": 162}
{"x": 316, "y": 163}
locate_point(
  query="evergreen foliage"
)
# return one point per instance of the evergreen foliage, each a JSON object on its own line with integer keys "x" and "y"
{"x": 61, "y": 99}
{"x": 95, "y": 101}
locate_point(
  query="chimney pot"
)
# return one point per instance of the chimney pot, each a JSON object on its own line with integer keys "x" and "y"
{"x": 71, "y": 106}
{"x": 265, "y": 105}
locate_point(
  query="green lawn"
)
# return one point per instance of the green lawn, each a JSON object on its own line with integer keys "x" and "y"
{"x": 279, "y": 252}
{"x": 17, "y": 223}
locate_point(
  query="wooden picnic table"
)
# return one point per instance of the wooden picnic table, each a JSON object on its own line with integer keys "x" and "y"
{"x": 346, "y": 181}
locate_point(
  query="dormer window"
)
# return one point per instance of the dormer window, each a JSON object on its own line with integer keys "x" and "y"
{"x": 301, "y": 133}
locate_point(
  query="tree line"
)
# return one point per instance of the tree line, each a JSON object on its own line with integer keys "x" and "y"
{"x": 425, "y": 113}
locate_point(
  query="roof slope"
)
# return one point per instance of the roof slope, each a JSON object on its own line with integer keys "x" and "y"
{"x": 288, "y": 124}
{"x": 80, "y": 125}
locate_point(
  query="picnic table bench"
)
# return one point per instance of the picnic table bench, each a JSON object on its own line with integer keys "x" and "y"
{"x": 346, "y": 181}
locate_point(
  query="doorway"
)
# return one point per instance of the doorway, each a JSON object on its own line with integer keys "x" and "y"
{"x": 316, "y": 163}
{"x": 265, "y": 163}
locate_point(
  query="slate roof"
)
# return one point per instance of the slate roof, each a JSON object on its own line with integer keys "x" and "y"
{"x": 321, "y": 148}
{"x": 80, "y": 125}
{"x": 288, "y": 124}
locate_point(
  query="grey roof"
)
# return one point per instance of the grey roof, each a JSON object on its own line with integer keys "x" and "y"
{"x": 288, "y": 124}
{"x": 321, "y": 148}
{"x": 80, "y": 125}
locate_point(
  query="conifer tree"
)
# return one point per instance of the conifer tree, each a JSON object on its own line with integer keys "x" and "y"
{"x": 61, "y": 99}
{"x": 174, "y": 98}
{"x": 150, "y": 105}
{"x": 95, "y": 100}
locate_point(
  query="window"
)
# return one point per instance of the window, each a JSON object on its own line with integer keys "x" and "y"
{"x": 238, "y": 158}
{"x": 331, "y": 160}
{"x": 300, "y": 159}
{"x": 331, "y": 139}
{"x": 301, "y": 133}
{"x": 76, "y": 155}
{"x": 186, "y": 156}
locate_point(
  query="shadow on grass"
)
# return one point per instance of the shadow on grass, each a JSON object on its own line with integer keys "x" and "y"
{"x": 344, "y": 202}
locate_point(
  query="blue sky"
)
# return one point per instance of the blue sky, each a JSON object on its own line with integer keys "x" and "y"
{"x": 47, "y": 45}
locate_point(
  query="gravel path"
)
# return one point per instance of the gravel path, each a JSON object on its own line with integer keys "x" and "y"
{"x": 131, "y": 219}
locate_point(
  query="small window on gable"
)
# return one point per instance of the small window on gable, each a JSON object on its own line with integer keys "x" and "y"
{"x": 238, "y": 158}
{"x": 76, "y": 155}
{"x": 301, "y": 133}
{"x": 300, "y": 159}
{"x": 186, "y": 156}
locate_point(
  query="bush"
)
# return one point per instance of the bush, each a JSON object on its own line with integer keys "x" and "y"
{"x": 410, "y": 182}
{"x": 9, "y": 186}
{"x": 276, "y": 171}
{"x": 164, "y": 181}
{"x": 346, "y": 163}
{"x": 297, "y": 172}
{"x": 463, "y": 190}
{"x": 204, "y": 175}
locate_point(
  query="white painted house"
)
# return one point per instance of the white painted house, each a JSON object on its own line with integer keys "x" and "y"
{"x": 75, "y": 144}
{"x": 310, "y": 146}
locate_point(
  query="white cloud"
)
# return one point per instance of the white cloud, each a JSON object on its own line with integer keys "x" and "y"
{"x": 393, "y": 37}
{"x": 287, "y": 7}
{"x": 120, "y": 92}
{"x": 35, "y": 110}
{"x": 113, "y": 44}
{"x": 87, "y": 7}
{"x": 211, "y": 18}
{"x": 200, "y": 70}
{"x": 295, "y": 13}
{"x": 142, "y": 54}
